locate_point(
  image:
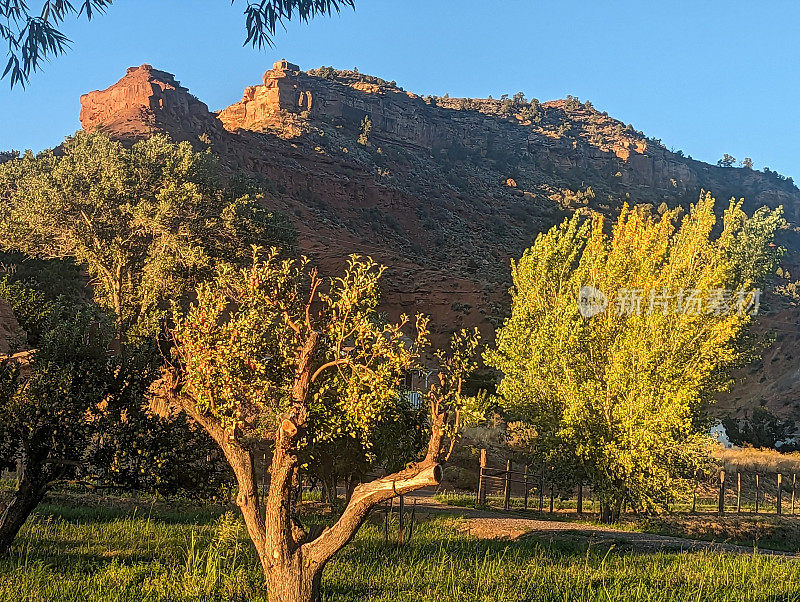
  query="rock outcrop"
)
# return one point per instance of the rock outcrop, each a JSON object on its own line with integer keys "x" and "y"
{"x": 144, "y": 102}
{"x": 442, "y": 190}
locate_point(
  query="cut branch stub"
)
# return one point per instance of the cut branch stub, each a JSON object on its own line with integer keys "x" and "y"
{"x": 289, "y": 428}
{"x": 364, "y": 498}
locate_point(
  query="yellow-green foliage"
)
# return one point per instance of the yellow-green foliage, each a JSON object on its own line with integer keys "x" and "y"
{"x": 619, "y": 392}
{"x": 240, "y": 345}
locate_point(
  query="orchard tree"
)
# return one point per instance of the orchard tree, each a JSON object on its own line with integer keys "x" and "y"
{"x": 51, "y": 397}
{"x": 275, "y": 357}
{"x": 34, "y": 36}
{"x": 621, "y": 380}
{"x": 147, "y": 223}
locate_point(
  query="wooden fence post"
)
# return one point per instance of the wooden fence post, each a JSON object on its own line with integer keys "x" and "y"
{"x": 481, "y": 480}
{"x": 721, "y": 492}
{"x": 541, "y": 491}
{"x": 779, "y": 502}
{"x": 552, "y": 493}
{"x": 507, "y": 487}
{"x": 794, "y": 483}
{"x": 694, "y": 495}
{"x": 580, "y": 498}
{"x": 389, "y": 506}
{"x": 758, "y": 489}
{"x": 400, "y": 521}
{"x": 525, "y": 478}
{"x": 738, "y": 491}
{"x": 411, "y": 521}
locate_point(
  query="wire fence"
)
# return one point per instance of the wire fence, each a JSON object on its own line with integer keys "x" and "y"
{"x": 731, "y": 491}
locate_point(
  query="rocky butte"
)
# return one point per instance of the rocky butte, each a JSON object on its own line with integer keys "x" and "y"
{"x": 444, "y": 190}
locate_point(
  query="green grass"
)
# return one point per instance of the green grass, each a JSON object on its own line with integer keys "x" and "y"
{"x": 454, "y": 498}
{"x": 155, "y": 552}
{"x": 495, "y": 502}
{"x": 766, "y": 531}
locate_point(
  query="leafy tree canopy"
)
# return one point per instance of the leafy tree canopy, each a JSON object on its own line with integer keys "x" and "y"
{"x": 622, "y": 389}
{"x": 241, "y": 363}
{"x": 50, "y": 397}
{"x": 33, "y": 34}
{"x": 146, "y": 222}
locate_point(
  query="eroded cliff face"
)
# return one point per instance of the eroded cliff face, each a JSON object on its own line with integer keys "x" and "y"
{"x": 569, "y": 139}
{"x": 444, "y": 191}
{"x": 144, "y": 102}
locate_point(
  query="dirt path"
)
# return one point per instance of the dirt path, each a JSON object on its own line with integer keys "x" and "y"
{"x": 502, "y": 525}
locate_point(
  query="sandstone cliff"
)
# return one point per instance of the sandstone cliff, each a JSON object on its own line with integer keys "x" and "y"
{"x": 442, "y": 190}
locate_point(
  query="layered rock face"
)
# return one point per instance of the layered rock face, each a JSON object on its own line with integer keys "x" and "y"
{"x": 261, "y": 105}
{"x": 147, "y": 100}
{"x": 144, "y": 102}
{"x": 444, "y": 191}
{"x": 289, "y": 95}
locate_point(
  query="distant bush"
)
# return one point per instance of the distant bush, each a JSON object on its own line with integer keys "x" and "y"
{"x": 8, "y": 155}
{"x": 572, "y": 104}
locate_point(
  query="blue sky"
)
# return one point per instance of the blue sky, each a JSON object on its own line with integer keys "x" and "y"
{"x": 707, "y": 77}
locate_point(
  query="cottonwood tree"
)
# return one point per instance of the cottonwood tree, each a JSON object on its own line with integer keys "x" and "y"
{"x": 275, "y": 357}
{"x": 146, "y": 222}
{"x": 51, "y": 397}
{"x": 33, "y": 35}
{"x": 623, "y": 389}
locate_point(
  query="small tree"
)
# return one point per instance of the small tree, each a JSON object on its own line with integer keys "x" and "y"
{"x": 396, "y": 441}
{"x": 50, "y": 398}
{"x": 272, "y": 356}
{"x": 726, "y": 161}
{"x": 747, "y": 163}
{"x": 622, "y": 388}
{"x": 366, "y": 130}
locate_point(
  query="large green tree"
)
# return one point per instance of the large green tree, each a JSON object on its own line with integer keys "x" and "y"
{"x": 34, "y": 36}
{"x": 274, "y": 357}
{"x": 146, "y": 222}
{"x": 619, "y": 381}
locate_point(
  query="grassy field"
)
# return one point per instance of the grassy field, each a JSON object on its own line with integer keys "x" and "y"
{"x": 763, "y": 531}
{"x": 129, "y": 550}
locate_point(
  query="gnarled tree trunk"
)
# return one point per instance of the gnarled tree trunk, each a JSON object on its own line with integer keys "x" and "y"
{"x": 293, "y": 560}
{"x": 29, "y": 494}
